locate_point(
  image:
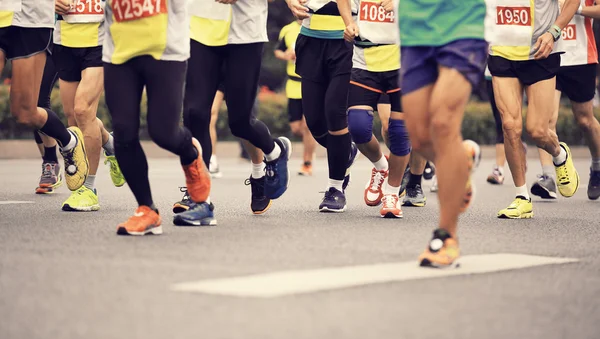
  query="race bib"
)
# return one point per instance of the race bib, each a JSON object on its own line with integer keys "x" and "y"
{"x": 87, "y": 7}
{"x": 569, "y": 33}
{"x": 514, "y": 16}
{"x": 373, "y": 12}
{"x": 129, "y": 10}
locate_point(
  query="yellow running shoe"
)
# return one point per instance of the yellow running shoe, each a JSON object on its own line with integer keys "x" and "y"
{"x": 442, "y": 252}
{"x": 567, "y": 178}
{"x": 76, "y": 162}
{"x": 115, "y": 171}
{"x": 520, "y": 208}
{"x": 82, "y": 200}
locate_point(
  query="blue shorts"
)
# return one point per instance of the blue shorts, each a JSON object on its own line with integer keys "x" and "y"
{"x": 420, "y": 63}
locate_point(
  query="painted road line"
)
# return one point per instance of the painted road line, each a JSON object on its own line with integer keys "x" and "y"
{"x": 10, "y": 202}
{"x": 285, "y": 283}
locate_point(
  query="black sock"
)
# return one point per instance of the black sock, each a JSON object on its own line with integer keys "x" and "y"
{"x": 188, "y": 155}
{"x": 54, "y": 128}
{"x": 338, "y": 155}
{"x": 307, "y": 163}
{"x": 50, "y": 154}
{"x": 134, "y": 165}
{"x": 414, "y": 180}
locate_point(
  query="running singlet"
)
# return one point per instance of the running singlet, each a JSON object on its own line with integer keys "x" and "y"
{"x": 578, "y": 41}
{"x": 215, "y": 24}
{"x": 158, "y": 28}
{"x": 27, "y": 13}
{"x": 288, "y": 35}
{"x": 439, "y": 22}
{"x": 324, "y": 21}
{"x": 83, "y": 26}
{"x": 377, "y": 49}
{"x": 519, "y": 23}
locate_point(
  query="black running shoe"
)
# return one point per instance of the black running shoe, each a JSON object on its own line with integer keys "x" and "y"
{"x": 594, "y": 185}
{"x": 333, "y": 201}
{"x": 260, "y": 203}
{"x": 414, "y": 196}
{"x": 429, "y": 171}
{"x": 185, "y": 203}
{"x": 404, "y": 182}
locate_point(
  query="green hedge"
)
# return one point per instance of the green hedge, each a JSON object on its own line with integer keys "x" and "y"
{"x": 478, "y": 123}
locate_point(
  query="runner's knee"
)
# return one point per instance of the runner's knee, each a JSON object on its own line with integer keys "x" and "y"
{"x": 360, "y": 125}
{"x": 399, "y": 141}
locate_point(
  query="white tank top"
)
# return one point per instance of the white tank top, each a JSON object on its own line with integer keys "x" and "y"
{"x": 29, "y": 13}
{"x": 577, "y": 41}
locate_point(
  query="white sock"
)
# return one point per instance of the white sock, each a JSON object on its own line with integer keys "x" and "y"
{"x": 337, "y": 184}
{"x": 72, "y": 143}
{"x": 381, "y": 164}
{"x": 595, "y": 164}
{"x": 523, "y": 192}
{"x": 258, "y": 170}
{"x": 213, "y": 158}
{"x": 90, "y": 182}
{"x": 274, "y": 154}
{"x": 389, "y": 189}
{"x": 207, "y": 200}
{"x": 500, "y": 169}
{"x": 561, "y": 158}
{"x": 109, "y": 146}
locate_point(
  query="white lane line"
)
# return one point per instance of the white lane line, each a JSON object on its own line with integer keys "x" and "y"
{"x": 9, "y": 202}
{"x": 285, "y": 283}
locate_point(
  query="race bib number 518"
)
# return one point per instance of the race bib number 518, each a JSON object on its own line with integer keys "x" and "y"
{"x": 518, "y": 16}
{"x": 128, "y": 10}
{"x": 87, "y": 7}
{"x": 373, "y": 12}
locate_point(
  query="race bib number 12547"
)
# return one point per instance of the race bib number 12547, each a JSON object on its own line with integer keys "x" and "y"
{"x": 373, "y": 12}
{"x": 128, "y": 10}
{"x": 518, "y": 16}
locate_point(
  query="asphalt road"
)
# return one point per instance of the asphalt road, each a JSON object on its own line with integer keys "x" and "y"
{"x": 68, "y": 275}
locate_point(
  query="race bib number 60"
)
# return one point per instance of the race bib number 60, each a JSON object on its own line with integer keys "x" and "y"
{"x": 569, "y": 33}
{"x": 87, "y": 7}
{"x": 518, "y": 16}
{"x": 373, "y": 12}
{"x": 128, "y": 10}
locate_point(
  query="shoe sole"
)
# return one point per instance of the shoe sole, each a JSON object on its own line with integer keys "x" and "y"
{"x": 216, "y": 175}
{"x": 328, "y": 210}
{"x": 80, "y": 141}
{"x": 264, "y": 210}
{"x": 49, "y": 189}
{"x": 593, "y": 196}
{"x": 409, "y": 203}
{"x": 68, "y": 208}
{"x": 527, "y": 215}
{"x": 180, "y": 209}
{"x": 430, "y": 264}
{"x": 495, "y": 182}
{"x": 154, "y": 230}
{"x": 542, "y": 192}
{"x": 182, "y": 222}
{"x": 391, "y": 215}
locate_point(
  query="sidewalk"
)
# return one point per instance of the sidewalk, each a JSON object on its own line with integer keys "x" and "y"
{"x": 27, "y": 149}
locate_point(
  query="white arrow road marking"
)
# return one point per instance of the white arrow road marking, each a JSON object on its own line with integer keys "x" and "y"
{"x": 9, "y": 202}
{"x": 285, "y": 283}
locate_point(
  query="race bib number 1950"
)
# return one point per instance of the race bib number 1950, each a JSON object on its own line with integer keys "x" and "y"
{"x": 128, "y": 10}
{"x": 373, "y": 12}
{"x": 87, "y": 7}
{"x": 518, "y": 16}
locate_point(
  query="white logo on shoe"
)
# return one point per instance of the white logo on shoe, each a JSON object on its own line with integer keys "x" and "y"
{"x": 139, "y": 214}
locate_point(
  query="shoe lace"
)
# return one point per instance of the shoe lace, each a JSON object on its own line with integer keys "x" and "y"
{"x": 69, "y": 159}
{"x": 256, "y": 185}
{"x": 376, "y": 181}
{"x": 186, "y": 195}
{"x": 47, "y": 170}
{"x": 562, "y": 174}
{"x": 389, "y": 201}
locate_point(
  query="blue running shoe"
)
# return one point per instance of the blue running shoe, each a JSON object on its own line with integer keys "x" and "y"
{"x": 197, "y": 215}
{"x": 334, "y": 201}
{"x": 353, "y": 157}
{"x": 277, "y": 177}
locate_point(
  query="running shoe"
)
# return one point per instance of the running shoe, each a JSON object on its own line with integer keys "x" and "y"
{"x": 373, "y": 191}
{"x": 391, "y": 206}
{"x": 496, "y": 177}
{"x": 201, "y": 214}
{"x": 520, "y": 208}
{"x": 260, "y": 203}
{"x": 51, "y": 178}
{"x": 405, "y": 179}
{"x": 566, "y": 175}
{"x": 76, "y": 162}
{"x": 333, "y": 201}
{"x": 305, "y": 169}
{"x": 82, "y": 200}
{"x": 115, "y": 171}
{"x": 545, "y": 187}
{"x": 474, "y": 155}
{"x": 213, "y": 168}
{"x": 434, "y": 185}
{"x": 442, "y": 251}
{"x": 144, "y": 221}
{"x": 414, "y": 196}
{"x": 594, "y": 185}
{"x": 185, "y": 203}
{"x": 353, "y": 157}
{"x": 429, "y": 171}
{"x": 277, "y": 179}
{"x": 197, "y": 177}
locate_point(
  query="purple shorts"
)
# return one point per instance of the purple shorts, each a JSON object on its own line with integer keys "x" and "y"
{"x": 420, "y": 63}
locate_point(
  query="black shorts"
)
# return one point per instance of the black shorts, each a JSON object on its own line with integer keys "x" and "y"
{"x": 527, "y": 71}
{"x": 367, "y": 87}
{"x": 384, "y": 99}
{"x": 71, "y": 61}
{"x": 577, "y": 82}
{"x": 319, "y": 60}
{"x": 21, "y": 42}
{"x": 295, "y": 109}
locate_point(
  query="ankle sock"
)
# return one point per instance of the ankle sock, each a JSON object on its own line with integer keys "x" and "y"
{"x": 523, "y": 192}
{"x": 258, "y": 170}
{"x": 381, "y": 164}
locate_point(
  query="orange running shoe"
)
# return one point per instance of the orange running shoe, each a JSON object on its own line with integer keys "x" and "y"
{"x": 374, "y": 190}
{"x": 442, "y": 251}
{"x": 474, "y": 153}
{"x": 391, "y": 206}
{"x": 305, "y": 169}
{"x": 197, "y": 177}
{"x": 144, "y": 221}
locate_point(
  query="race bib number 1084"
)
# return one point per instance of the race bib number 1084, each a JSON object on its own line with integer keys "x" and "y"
{"x": 129, "y": 10}
{"x": 373, "y": 12}
{"x": 518, "y": 16}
